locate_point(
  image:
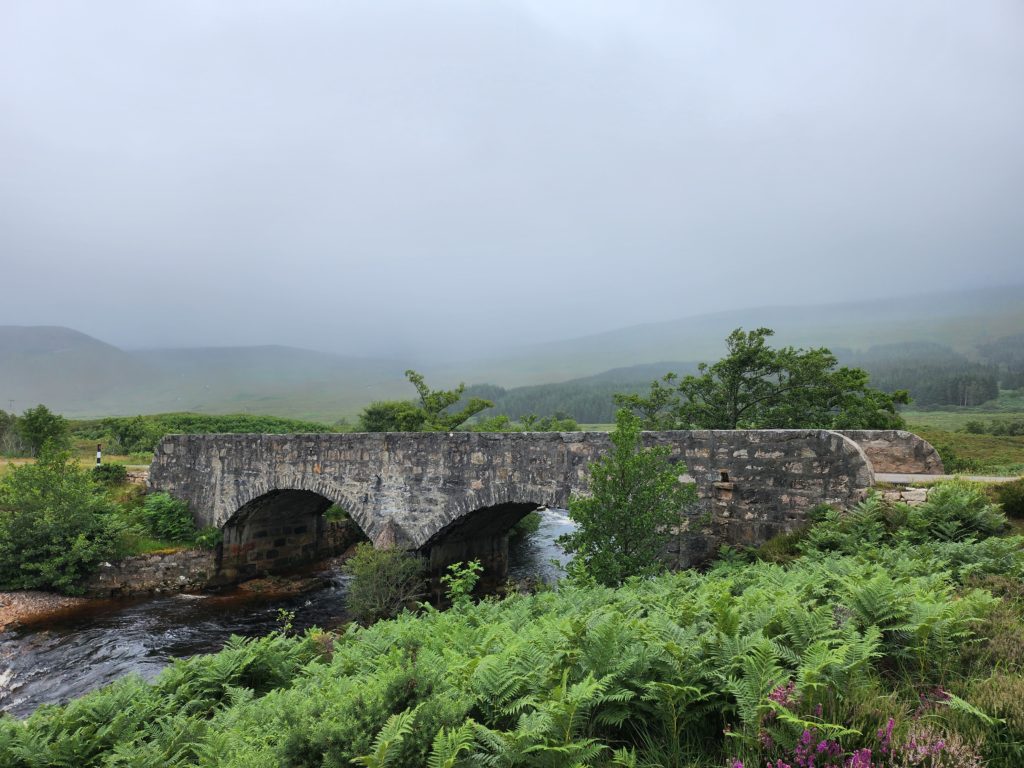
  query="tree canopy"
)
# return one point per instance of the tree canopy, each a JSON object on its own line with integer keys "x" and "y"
{"x": 40, "y": 426}
{"x": 55, "y": 525}
{"x": 433, "y": 412}
{"x": 758, "y": 387}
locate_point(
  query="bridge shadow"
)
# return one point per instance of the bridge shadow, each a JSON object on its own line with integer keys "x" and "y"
{"x": 281, "y": 531}
{"x": 482, "y": 535}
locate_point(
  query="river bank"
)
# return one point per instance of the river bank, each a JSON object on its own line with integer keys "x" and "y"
{"x": 18, "y": 609}
{"x": 67, "y": 647}
{"x": 149, "y": 576}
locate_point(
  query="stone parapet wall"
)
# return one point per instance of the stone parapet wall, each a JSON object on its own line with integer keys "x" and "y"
{"x": 432, "y": 491}
{"x": 187, "y": 570}
{"x": 897, "y": 451}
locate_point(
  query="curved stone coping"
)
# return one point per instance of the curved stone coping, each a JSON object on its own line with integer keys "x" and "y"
{"x": 896, "y": 451}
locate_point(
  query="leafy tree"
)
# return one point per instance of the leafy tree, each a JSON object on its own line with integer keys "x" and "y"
{"x": 757, "y": 387}
{"x": 436, "y": 402}
{"x": 56, "y": 525}
{"x": 431, "y": 414}
{"x": 659, "y": 410}
{"x": 392, "y": 416}
{"x": 10, "y": 440}
{"x": 635, "y": 498}
{"x": 39, "y": 426}
{"x": 460, "y": 581}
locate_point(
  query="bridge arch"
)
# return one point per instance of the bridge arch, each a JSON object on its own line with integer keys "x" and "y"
{"x": 281, "y": 528}
{"x": 476, "y": 523}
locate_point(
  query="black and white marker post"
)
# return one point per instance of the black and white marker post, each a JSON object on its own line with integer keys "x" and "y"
{"x": 99, "y": 454}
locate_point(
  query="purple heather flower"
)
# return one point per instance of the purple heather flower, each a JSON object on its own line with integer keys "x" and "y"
{"x": 859, "y": 759}
{"x": 885, "y": 736}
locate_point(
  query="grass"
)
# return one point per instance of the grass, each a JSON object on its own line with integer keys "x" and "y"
{"x": 954, "y": 421}
{"x": 977, "y": 454}
{"x": 1009, "y": 406}
{"x": 84, "y": 450}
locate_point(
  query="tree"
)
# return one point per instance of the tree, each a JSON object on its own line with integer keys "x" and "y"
{"x": 56, "y": 525}
{"x": 39, "y": 426}
{"x": 436, "y": 402}
{"x": 757, "y": 387}
{"x": 10, "y": 440}
{"x": 392, "y": 416}
{"x": 624, "y": 524}
{"x": 431, "y": 414}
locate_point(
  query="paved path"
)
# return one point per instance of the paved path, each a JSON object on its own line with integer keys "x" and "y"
{"x": 899, "y": 479}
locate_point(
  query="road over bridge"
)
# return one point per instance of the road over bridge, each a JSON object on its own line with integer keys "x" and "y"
{"x": 454, "y": 496}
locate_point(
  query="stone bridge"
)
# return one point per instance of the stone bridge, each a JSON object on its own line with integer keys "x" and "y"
{"x": 454, "y": 496}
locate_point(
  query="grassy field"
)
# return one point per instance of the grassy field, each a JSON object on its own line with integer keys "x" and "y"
{"x": 963, "y": 452}
{"x": 975, "y": 454}
{"x": 84, "y": 452}
{"x": 953, "y": 421}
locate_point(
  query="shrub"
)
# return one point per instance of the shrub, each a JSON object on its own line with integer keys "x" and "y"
{"x": 526, "y": 526}
{"x": 460, "y": 581}
{"x": 168, "y": 518}
{"x": 336, "y": 514}
{"x": 782, "y": 548}
{"x": 209, "y": 537}
{"x": 953, "y": 462}
{"x": 384, "y": 581}
{"x": 1011, "y": 497}
{"x": 55, "y": 526}
{"x": 624, "y": 525}
{"x": 110, "y": 474}
{"x": 956, "y": 510}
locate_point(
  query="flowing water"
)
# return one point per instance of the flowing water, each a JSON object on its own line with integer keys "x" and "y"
{"x": 82, "y": 651}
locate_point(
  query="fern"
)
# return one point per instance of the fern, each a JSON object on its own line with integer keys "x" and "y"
{"x": 389, "y": 740}
{"x": 449, "y": 744}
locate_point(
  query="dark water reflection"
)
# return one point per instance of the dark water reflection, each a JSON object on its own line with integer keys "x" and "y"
{"x": 80, "y": 652}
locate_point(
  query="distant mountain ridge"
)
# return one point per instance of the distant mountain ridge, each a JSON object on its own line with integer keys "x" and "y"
{"x": 82, "y": 376}
{"x": 959, "y": 320}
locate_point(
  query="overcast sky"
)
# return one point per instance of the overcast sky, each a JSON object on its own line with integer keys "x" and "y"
{"x": 395, "y": 177}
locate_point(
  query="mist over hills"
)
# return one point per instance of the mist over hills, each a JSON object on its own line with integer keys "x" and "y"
{"x": 958, "y": 320}
{"x": 81, "y": 376}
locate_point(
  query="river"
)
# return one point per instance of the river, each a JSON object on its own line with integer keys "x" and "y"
{"x": 88, "y": 649}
